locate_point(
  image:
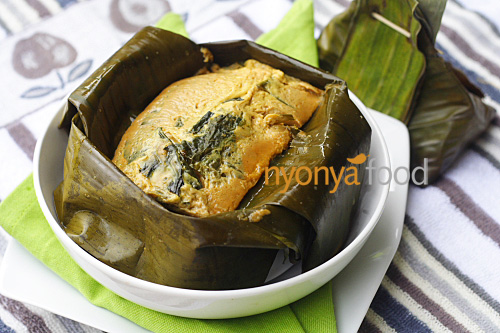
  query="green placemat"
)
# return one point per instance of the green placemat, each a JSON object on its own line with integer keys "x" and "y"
{"x": 294, "y": 35}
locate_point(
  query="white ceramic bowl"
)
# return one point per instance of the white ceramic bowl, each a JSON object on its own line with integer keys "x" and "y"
{"x": 48, "y": 173}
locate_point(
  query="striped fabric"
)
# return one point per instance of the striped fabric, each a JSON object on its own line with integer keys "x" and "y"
{"x": 446, "y": 273}
{"x": 15, "y": 15}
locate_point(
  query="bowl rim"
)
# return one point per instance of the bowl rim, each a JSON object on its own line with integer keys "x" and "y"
{"x": 118, "y": 276}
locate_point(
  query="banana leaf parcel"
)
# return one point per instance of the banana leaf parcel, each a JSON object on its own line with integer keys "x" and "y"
{"x": 111, "y": 218}
{"x": 385, "y": 51}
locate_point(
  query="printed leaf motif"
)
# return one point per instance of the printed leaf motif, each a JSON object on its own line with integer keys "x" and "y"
{"x": 79, "y": 70}
{"x": 37, "y": 92}
{"x": 39, "y": 54}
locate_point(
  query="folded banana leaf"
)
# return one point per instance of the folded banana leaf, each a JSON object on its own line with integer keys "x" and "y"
{"x": 385, "y": 51}
{"x": 111, "y": 218}
{"x": 380, "y": 64}
{"x": 449, "y": 114}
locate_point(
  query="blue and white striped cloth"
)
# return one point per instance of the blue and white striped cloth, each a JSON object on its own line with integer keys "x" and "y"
{"x": 446, "y": 273}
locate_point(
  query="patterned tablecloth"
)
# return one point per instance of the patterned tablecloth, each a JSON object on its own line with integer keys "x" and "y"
{"x": 446, "y": 273}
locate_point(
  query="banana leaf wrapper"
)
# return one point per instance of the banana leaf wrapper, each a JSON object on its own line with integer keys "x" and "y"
{"x": 448, "y": 116}
{"x": 111, "y": 218}
{"x": 381, "y": 65}
{"x": 406, "y": 78}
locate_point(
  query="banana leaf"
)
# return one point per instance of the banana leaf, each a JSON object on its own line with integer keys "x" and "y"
{"x": 406, "y": 77}
{"x": 111, "y": 218}
{"x": 432, "y": 13}
{"x": 449, "y": 114}
{"x": 366, "y": 52}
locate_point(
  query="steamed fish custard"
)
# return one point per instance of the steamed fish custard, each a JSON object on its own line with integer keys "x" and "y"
{"x": 197, "y": 148}
{"x": 205, "y": 140}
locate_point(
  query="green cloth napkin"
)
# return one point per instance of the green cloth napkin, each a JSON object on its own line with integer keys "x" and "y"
{"x": 173, "y": 22}
{"x": 294, "y": 35}
{"x": 21, "y": 217}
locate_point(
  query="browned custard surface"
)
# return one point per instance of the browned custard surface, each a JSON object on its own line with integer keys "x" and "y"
{"x": 205, "y": 140}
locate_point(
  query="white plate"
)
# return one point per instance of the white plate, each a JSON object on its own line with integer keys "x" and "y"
{"x": 353, "y": 289}
{"x": 355, "y": 286}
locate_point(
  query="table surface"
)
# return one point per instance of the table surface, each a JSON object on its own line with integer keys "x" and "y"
{"x": 445, "y": 274}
